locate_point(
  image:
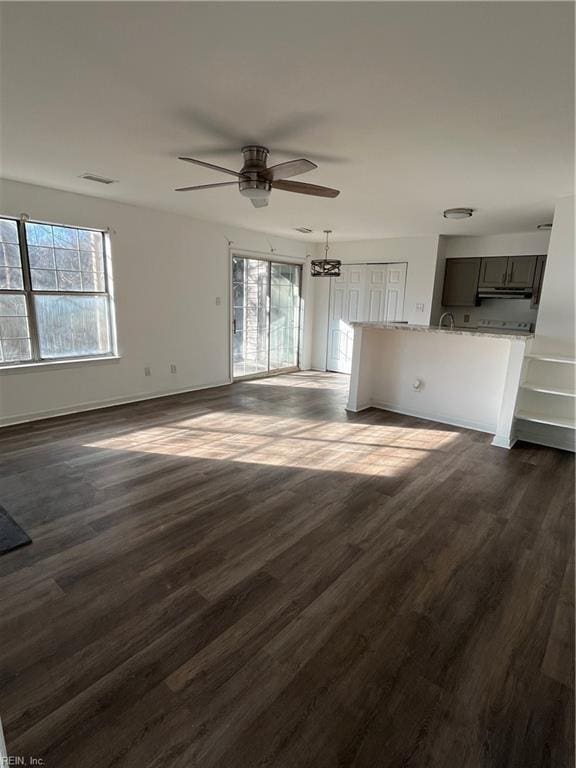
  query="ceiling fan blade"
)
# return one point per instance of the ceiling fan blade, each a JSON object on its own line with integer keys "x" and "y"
{"x": 210, "y": 165}
{"x": 259, "y": 202}
{"x": 208, "y": 186}
{"x": 305, "y": 189}
{"x": 286, "y": 170}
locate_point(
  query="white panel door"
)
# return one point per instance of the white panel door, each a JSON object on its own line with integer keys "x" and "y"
{"x": 346, "y": 303}
{"x": 385, "y": 284}
{"x": 395, "y": 289}
{"x": 372, "y": 292}
{"x": 375, "y": 302}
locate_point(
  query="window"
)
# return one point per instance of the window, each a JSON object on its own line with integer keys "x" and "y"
{"x": 55, "y": 298}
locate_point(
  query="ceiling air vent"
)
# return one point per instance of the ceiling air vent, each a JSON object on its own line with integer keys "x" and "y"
{"x": 304, "y": 230}
{"x": 96, "y": 178}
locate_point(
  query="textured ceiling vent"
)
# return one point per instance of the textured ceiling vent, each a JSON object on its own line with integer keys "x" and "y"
{"x": 304, "y": 230}
{"x": 96, "y": 178}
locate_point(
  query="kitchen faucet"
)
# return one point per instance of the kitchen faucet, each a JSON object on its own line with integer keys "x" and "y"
{"x": 450, "y": 316}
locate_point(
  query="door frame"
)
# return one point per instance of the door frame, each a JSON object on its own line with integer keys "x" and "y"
{"x": 275, "y": 259}
{"x": 357, "y": 264}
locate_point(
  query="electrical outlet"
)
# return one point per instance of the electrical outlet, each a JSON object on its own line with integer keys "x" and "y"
{"x": 466, "y": 318}
{"x": 147, "y": 371}
{"x": 218, "y": 301}
{"x": 172, "y": 368}
{"x": 419, "y": 307}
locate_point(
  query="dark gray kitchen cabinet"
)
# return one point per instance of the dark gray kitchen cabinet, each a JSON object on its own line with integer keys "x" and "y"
{"x": 521, "y": 271}
{"x": 461, "y": 282}
{"x": 493, "y": 272}
{"x": 507, "y": 272}
{"x": 538, "y": 278}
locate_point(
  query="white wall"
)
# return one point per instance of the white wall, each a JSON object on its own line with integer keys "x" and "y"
{"x": 463, "y": 377}
{"x": 556, "y": 319}
{"x": 420, "y": 253}
{"x": 522, "y": 244}
{"x": 168, "y": 271}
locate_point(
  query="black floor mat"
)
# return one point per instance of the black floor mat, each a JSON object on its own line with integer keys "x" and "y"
{"x": 11, "y": 535}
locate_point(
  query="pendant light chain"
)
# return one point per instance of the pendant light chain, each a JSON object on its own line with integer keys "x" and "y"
{"x": 326, "y": 247}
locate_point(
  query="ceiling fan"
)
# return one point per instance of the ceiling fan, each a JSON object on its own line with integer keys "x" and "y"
{"x": 255, "y": 180}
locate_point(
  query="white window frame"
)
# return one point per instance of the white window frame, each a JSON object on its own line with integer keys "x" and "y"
{"x": 28, "y": 292}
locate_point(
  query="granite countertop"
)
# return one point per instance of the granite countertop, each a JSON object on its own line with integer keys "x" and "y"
{"x": 451, "y": 331}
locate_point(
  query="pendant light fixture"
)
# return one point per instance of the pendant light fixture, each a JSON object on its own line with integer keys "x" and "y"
{"x": 325, "y": 267}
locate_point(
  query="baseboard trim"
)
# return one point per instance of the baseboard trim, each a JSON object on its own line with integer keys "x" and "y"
{"x": 437, "y": 417}
{"x": 544, "y": 434}
{"x": 359, "y": 408}
{"x": 100, "y": 404}
{"x": 503, "y": 442}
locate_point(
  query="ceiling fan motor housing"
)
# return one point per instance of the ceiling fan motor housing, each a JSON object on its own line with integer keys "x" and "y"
{"x": 250, "y": 184}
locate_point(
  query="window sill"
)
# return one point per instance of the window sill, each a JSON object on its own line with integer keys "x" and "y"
{"x": 37, "y": 366}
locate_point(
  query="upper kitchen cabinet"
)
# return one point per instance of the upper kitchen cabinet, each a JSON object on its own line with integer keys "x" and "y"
{"x": 461, "y": 282}
{"x": 507, "y": 272}
{"x": 521, "y": 271}
{"x": 538, "y": 278}
{"x": 493, "y": 272}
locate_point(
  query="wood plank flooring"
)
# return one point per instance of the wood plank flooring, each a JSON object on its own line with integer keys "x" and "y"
{"x": 249, "y": 576}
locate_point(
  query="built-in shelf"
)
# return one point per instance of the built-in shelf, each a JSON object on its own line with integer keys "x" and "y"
{"x": 549, "y": 390}
{"x": 552, "y": 358}
{"x": 540, "y": 418}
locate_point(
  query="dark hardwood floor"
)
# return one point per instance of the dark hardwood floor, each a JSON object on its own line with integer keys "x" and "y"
{"x": 249, "y": 576}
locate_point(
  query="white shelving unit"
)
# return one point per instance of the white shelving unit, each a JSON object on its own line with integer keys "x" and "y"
{"x": 538, "y": 418}
{"x": 552, "y": 358}
{"x": 546, "y": 405}
{"x": 549, "y": 390}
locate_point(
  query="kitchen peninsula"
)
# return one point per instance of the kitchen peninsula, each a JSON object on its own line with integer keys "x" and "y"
{"x": 459, "y": 377}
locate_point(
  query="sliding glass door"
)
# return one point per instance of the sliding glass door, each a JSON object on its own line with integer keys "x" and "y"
{"x": 250, "y": 324}
{"x": 266, "y": 320}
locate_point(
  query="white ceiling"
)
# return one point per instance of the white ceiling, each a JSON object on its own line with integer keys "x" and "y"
{"x": 407, "y": 108}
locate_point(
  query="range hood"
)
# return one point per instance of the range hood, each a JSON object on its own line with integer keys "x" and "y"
{"x": 505, "y": 292}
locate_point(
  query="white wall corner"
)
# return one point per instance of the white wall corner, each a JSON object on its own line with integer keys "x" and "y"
{"x": 504, "y": 437}
{"x": 555, "y": 326}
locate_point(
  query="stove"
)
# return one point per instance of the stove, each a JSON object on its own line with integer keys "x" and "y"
{"x": 505, "y": 326}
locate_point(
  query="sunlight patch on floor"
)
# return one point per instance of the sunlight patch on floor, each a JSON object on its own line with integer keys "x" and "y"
{"x": 302, "y": 380}
{"x": 367, "y": 449}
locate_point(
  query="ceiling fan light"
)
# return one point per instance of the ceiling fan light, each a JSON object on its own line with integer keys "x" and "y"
{"x": 255, "y": 193}
{"x": 255, "y": 190}
{"x": 458, "y": 213}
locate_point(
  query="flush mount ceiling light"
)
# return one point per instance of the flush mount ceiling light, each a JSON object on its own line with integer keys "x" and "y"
{"x": 458, "y": 213}
{"x": 544, "y": 226}
{"x": 325, "y": 267}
